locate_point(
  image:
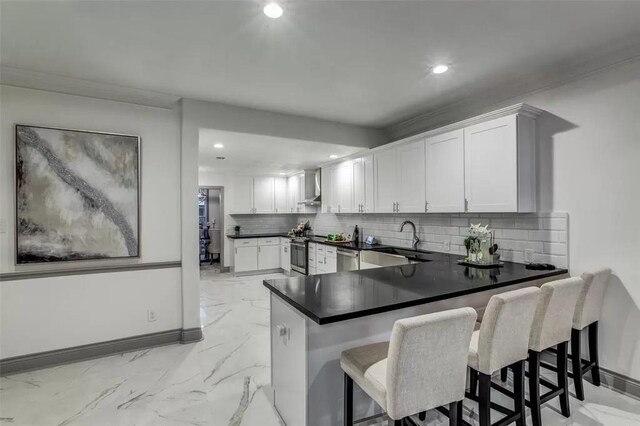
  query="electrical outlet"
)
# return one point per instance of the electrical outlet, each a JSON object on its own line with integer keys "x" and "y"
{"x": 447, "y": 245}
{"x": 528, "y": 256}
{"x": 151, "y": 315}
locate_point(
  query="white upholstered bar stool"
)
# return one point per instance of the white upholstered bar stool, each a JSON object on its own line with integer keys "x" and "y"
{"x": 422, "y": 367}
{"x": 552, "y": 327}
{"x": 502, "y": 341}
{"x": 587, "y": 315}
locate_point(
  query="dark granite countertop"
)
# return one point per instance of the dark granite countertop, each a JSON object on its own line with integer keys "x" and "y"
{"x": 315, "y": 239}
{"x": 236, "y": 237}
{"x": 341, "y": 296}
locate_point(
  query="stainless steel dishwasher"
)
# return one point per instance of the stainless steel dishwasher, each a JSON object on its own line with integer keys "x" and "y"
{"x": 348, "y": 260}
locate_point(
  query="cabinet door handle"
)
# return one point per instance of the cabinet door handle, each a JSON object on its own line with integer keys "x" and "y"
{"x": 258, "y": 249}
{"x": 426, "y": 206}
{"x": 236, "y": 251}
{"x": 466, "y": 205}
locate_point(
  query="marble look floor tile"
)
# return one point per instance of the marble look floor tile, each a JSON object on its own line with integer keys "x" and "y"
{"x": 219, "y": 381}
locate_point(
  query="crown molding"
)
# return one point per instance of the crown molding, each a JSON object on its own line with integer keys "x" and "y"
{"x": 17, "y": 77}
{"x": 510, "y": 93}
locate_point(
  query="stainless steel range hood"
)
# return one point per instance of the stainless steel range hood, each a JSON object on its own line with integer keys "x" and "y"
{"x": 312, "y": 191}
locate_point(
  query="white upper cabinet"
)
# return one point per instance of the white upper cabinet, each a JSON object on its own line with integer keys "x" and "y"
{"x": 410, "y": 191}
{"x": 326, "y": 178}
{"x": 385, "y": 180}
{"x": 294, "y": 192}
{"x": 399, "y": 179}
{"x": 280, "y": 198}
{"x": 500, "y": 165}
{"x": 342, "y": 188}
{"x": 363, "y": 185}
{"x": 242, "y": 196}
{"x": 263, "y": 194}
{"x": 445, "y": 172}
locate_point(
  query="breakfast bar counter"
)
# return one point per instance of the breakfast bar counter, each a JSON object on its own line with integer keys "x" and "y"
{"x": 315, "y": 318}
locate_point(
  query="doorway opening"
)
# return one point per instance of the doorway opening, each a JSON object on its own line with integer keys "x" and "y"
{"x": 211, "y": 225}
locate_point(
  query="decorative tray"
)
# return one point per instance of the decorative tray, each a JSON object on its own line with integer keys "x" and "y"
{"x": 481, "y": 265}
{"x": 338, "y": 242}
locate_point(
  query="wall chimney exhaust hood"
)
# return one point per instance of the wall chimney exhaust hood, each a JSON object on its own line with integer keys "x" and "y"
{"x": 311, "y": 188}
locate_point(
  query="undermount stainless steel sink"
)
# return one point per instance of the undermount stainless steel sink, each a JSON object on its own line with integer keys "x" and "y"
{"x": 412, "y": 255}
{"x": 390, "y": 256}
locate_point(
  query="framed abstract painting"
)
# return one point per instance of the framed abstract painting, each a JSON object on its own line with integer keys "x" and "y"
{"x": 77, "y": 195}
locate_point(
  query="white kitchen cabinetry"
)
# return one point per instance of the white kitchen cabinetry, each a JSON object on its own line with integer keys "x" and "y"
{"x": 245, "y": 258}
{"x": 399, "y": 176}
{"x": 445, "y": 172}
{"x": 294, "y": 192}
{"x": 268, "y": 257}
{"x": 500, "y": 165}
{"x": 285, "y": 254}
{"x": 256, "y": 254}
{"x": 280, "y": 197}
{"x": 411, "y": 178}
{"x": 385, "y": 180}
{"x": 263, "y": 194}
{"x": 362, "y": 170}
{"x": 342, "y": 188}
{"x": 326, "y": 259}
{"x": 242, "y": 196}
{"x": 326, "y": 179}
{"x": 312, "y": 259}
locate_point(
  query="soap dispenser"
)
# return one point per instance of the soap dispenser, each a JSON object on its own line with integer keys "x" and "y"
{"x": 356, "y": 236}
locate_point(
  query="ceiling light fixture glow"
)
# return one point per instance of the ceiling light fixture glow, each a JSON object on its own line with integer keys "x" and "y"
{"x": 439, "y": 69}
{"x": 333, "y": 156}
{"x": 282, "y": 173}
{"x": 273, "y": 10}
{"x": 218, "y": 145}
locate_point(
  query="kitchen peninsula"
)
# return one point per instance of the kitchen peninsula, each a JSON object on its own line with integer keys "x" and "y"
{"x": 315, "y": 318}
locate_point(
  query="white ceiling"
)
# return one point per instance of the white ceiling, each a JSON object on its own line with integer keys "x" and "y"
{"x": 351, "y": 61}
{"x": 263, "y": 155}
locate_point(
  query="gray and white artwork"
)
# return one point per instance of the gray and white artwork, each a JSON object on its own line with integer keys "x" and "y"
{"x": 77, "y": 195}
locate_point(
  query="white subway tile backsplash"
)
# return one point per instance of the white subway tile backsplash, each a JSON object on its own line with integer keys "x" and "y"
{"x": 545, "y": 233}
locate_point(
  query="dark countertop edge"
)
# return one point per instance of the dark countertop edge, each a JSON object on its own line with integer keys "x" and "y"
{"x": 402, "y": 305}
{"x": 241, "y": 236}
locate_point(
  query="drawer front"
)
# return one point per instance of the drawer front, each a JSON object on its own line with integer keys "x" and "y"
{"x": 270, "y": 241}
{"x": 246, "y": 242}
{"x": 285, "y": 241}
{"x": 321, "y": 250}
{"x": 331, "y": 252}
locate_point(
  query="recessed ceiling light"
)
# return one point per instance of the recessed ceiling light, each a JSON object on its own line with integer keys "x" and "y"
{"x": 439, "y": 69}
{"x": 282, "y": 173}
{"x": 218, "y": 145}
{"x": 273, "y": 10}
{"x": 332, "y": 156}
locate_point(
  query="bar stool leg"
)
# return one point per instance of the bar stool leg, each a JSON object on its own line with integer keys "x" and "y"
{"x": 455, "y": 413}
{"x": 484, "y": 399}
{"x": 563, "y": 378}
{"x": 576, "y": 363}
{"x": 398, "y": 422}
{"x": 473, "y": 381}
{"x": 518, "y": 390}
{"x": 534, "y": 387}
{"x": 422, "y": 415}
{"x": 593, "y": 353}
{"x": 503, "y": 374}
{"x": 348, "y": 400}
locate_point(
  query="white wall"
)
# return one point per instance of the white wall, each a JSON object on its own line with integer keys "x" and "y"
{"x": 51, "y": 313}
{"x": 589, "y": 152}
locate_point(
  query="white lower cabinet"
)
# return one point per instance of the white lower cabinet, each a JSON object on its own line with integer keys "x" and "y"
{"x": 285, "y": 254}
{"x": 326, "y": 259}
{"x": 245, "y": 259}
{"x": 268, "y": 257}
{"x": 256, "y": 254}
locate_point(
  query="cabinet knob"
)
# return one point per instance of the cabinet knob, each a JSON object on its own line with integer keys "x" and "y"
{"x": 282, "y": 330}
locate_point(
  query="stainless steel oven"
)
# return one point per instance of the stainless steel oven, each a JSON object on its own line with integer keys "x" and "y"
{"x": 299, "y": 257}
